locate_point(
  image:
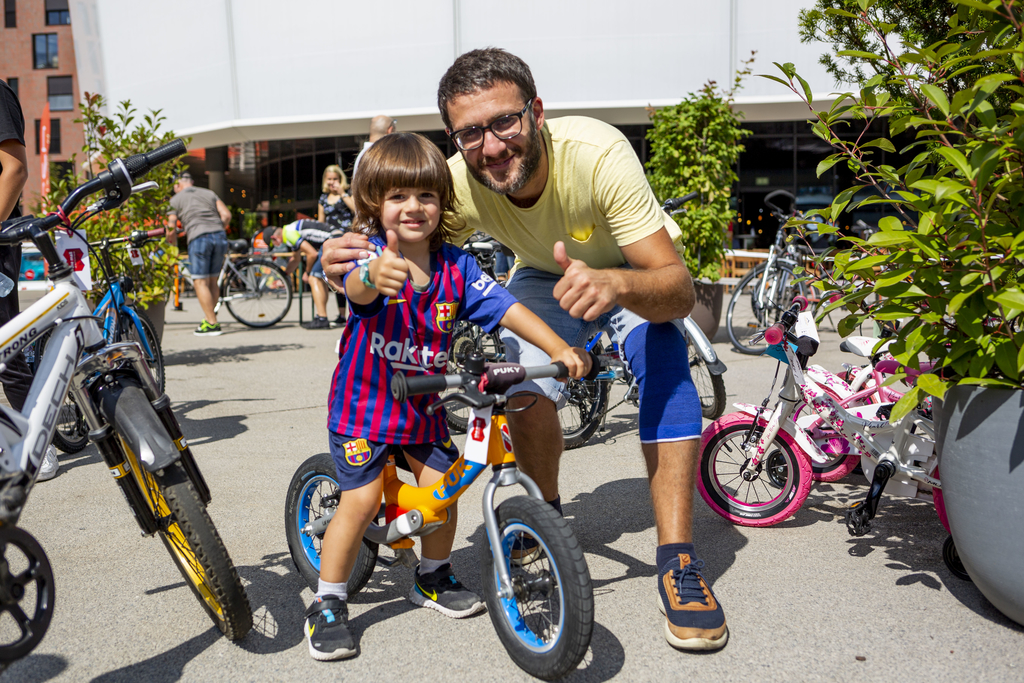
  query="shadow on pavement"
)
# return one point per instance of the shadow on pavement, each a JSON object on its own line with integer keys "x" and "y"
{"x": 165, "y": 667}
{"x": 233, "y": 354}
{"x": 34, "y": 669}
{"x": 214, "y": 428}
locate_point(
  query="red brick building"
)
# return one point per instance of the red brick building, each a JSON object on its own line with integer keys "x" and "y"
{"x": 37, "y": 59}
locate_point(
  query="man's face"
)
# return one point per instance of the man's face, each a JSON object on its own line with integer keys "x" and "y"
{"x": 502, "y": 166}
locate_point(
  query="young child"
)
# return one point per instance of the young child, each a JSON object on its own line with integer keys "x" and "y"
{"x": 404, "y": 304}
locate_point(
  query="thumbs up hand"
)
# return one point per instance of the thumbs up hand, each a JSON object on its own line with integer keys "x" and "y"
{"x": 583, "y": 291}
{"x": 389, "y": 271}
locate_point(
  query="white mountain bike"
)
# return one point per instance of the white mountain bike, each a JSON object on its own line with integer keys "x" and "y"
{"x": 129, "y": 419}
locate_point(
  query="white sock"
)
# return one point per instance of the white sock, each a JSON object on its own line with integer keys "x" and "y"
{"x": 428, "y": 565}
{"x": 338, "y": 589}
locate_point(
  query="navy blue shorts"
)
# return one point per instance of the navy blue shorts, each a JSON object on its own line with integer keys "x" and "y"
{"x": 359, "y": 461}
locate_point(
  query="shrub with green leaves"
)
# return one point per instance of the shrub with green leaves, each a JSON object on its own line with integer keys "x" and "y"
{"x": 118, "y": 136}
{"x": 950, "y": 266}
{"x": 694, "y": 147}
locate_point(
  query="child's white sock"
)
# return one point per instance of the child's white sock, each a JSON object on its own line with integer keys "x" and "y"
{"x": 427, "y": 565}
{"x": 338, "y": 589}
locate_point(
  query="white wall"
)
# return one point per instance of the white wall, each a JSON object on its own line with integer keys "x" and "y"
{"x": 232, "y": 70}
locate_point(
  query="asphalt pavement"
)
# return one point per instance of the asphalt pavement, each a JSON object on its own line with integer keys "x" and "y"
{"x": 804, "y": 600}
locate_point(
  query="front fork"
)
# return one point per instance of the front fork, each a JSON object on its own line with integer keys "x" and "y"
{"x": 101, "y": 371}
{"x": 506, "y": 473}
{"x": 783, "y": 411}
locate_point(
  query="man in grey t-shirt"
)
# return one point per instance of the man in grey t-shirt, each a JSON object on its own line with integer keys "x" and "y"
{"x": 204, "y": 217}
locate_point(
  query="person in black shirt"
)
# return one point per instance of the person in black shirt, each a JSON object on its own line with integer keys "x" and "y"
{"x": 17, "y": 377}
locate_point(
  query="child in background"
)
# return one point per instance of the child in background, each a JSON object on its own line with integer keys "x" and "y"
{"x": 404, "y": 303}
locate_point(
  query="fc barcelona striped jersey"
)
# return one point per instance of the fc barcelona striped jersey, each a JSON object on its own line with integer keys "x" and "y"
{"x": 410, "y": 333}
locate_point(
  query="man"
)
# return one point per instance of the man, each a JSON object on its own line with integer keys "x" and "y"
{"x": 380, "y": 126}
{"x": 204, "y": 217}
{"x": 304, "y": 238}
{"x": 570, "y": 198}
{"x": 17, "y": 377}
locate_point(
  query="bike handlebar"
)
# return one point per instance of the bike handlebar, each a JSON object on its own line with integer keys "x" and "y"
{"x": 139, "y": 165}
{"x": 777, "y": 332}
{"x": 403, "y": 387}
{"x": 673, "y": 204}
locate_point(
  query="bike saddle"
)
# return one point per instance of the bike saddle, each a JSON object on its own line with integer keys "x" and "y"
{"x": 239, "y": 246}
{"x": 860, "y": 346}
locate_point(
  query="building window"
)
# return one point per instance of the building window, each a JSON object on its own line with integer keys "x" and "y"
{"x": 10, "y": 14}
{"x": 54, "y": 136}
{"x": 44, "y": 48}
{"x": 58, "y": 90}
{"x": 13, "y": 82}
{"x": 57, "y": 13}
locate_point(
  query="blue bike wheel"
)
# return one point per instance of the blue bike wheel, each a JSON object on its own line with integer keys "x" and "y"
{"x": 547, "y": 623}
{"x": 312, "y": 493}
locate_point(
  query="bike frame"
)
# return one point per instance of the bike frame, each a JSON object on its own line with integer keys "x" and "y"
{"x": 25, "y": 434}
{"x": 416, "y": 511}
{"x": 878, "y": 440}
{"x": 114, "y": 298}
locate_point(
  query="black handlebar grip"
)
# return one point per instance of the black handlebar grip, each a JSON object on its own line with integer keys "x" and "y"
{"x": 562, "y": 372}
{"x": 595, "y": 367}
{"x": 673, "y": 204}
{"x": 403, "y": 387}
{"x": 139, "y": 165}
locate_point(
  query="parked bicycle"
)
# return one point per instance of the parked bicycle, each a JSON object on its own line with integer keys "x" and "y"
{"x": 543, "y": 611}
{"x": 129, "y": 419}
{"x": 756, "y": 470}
{"x": 587, "y": 402}
{"x": 256, "y": 291}
{"x": 121, "y": 322}
{"x": 762, "y": 295}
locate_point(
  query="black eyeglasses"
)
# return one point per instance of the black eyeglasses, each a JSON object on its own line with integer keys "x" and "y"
{"x": 505, "y": 128}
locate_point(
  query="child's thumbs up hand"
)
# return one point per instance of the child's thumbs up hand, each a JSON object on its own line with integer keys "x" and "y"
{"x": 389, "y": 271}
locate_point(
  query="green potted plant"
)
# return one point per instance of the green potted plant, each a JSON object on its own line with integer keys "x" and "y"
{"x": 949, "y": 265}
{"x": 694, "y": 147}
{"x": 116, "y": 136}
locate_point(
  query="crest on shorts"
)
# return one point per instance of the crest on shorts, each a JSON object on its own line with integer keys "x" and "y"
{"x": 357, "y": 452}
{"x": 444, "y": 314}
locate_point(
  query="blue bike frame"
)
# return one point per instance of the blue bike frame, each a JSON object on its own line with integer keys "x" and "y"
{"x": 106, "y": 309}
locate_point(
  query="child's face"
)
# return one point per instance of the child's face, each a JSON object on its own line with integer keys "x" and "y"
{"x": 412, "y": 212}
{"x": 333, "y": 183}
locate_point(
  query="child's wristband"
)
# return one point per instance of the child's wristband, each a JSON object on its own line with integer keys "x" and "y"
{"x": 364, "y": 276}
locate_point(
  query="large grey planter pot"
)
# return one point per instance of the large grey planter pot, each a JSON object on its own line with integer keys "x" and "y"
{"x": 980, "y": 437}
{"x": 707, "y": 311}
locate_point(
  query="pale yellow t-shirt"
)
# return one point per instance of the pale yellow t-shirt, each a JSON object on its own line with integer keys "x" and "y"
{"x": 596, "y": 200}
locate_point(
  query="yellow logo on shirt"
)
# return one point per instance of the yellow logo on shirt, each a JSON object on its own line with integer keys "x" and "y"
{"x": 445, "y": 314}
{"x": 357, "y": 453}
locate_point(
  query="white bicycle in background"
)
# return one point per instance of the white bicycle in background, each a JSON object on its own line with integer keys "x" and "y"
{"x": 129, "y": 419}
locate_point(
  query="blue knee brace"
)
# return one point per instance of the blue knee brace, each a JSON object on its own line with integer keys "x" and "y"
{"x": 669, "y": 406}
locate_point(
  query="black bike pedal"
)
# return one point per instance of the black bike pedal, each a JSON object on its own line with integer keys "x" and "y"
{"x": 857, "y": 522}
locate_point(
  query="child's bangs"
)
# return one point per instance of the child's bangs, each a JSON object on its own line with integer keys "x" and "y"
{"x": 415, "y": 167}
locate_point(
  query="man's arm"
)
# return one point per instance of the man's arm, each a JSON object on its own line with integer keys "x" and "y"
{"x": 172, "y": 228}
{"x": 13, "y": 177}
{"x": 658, "y": 288}
{"x": 225, "y": 213}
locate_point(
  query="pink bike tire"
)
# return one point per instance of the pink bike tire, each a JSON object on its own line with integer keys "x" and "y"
{"x": 715, "y": 491}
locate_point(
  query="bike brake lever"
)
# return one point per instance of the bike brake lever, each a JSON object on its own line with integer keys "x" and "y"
{"x": 480, "y": 401}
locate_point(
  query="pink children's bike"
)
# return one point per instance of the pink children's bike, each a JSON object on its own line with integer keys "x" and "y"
{"x": 756, "y": 467}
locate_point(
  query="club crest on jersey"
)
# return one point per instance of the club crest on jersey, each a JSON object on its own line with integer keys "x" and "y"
{"x": 445, "y": 314}
{"x": 357, "y": 452}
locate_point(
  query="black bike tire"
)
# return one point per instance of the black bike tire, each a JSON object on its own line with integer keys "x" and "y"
{"x": 710, "y": 387}
{"x": 188, "y": 532}
{"x": 320, "y": 465}
{"x": 597, "y": 391}
{"x": 156, "y": 359}
{"x": 275, "y": 317}
{"x": 762, "y": 321}
{"x": 69, "y": 439}
{"x": 575, "y": 588}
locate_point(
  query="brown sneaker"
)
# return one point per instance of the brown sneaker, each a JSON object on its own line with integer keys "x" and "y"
{"x": 694, "y": 619}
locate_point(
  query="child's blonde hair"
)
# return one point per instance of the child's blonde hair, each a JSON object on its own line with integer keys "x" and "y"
{"x": 333, "y": 168}
{"x": 404, "y": 160}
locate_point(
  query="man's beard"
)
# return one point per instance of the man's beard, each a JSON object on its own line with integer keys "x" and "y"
{"x": 529, "y": 162}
